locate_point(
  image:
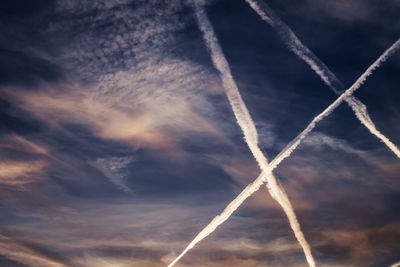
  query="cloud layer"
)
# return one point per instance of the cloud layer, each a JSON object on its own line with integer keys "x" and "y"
{"x": 118, "y": 144}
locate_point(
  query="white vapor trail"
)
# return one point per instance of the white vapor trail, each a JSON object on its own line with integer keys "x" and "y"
{"x": 250, "y": 134}
{"x": 396, "y": 264}
{"x": 265, "y": 175}
{"x": 298, "y": 48}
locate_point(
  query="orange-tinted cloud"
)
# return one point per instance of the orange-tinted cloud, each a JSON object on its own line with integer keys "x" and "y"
{"x": 14, "y": 141}
{"x": 18, "y": 252}
{"x": 362, "y": 243}
{"x": 156, "y": 125}
{"x": 18, "y": 173}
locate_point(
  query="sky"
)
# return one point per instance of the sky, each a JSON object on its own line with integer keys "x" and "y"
{"x": 118, "y": 144}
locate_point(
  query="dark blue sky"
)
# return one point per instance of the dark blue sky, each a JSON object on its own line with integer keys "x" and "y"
{"x": 118, "y": 143}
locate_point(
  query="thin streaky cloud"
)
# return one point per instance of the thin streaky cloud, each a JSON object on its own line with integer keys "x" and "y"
{"x": 299, "y": 49}
{"x": 15, "y": 251}
{"x": 118, "y": 143}
{"x": 250, "y": 135}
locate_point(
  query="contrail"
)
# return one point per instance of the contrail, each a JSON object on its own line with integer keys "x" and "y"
{"x": 396, "y": 264}
{"x": 296, "y": 141}
{"x": 263, "y": 177}
{"x": 250, "y": 133}
{"x": 299, "y": 49}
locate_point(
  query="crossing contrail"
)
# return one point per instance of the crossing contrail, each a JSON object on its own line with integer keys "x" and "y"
{"x": 265, "y": 174}
{"x": 249, "y": 131}
{"x": 299, "y": 49}
{"x": 296, "y": 141}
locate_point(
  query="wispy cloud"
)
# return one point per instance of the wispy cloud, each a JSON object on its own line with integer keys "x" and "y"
{"x": 113, "y": 168}
{"x": 139, "y": 117}
{"x": 14, "y": 141}
{"x": 18, "y": 173}
{"x": 18, "y": 252}
{"x": 358, "y": 242}
{"x": 22, "y": 161}
{"x": 318, "y": 140}
{"x": 117, "y": 142}
{"x": 126, "y": 82}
